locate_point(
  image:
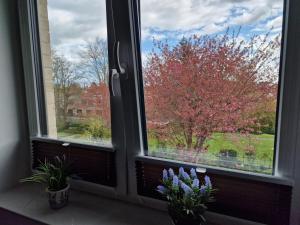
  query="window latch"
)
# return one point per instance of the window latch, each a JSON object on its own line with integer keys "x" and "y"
{"x": 116, "y": 72}
{"x": 119, "y": 67}
{"x": 115, "y": 83}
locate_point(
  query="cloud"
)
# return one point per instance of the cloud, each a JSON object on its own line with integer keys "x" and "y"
{"x": 72, "y": 23}
{"x": 181, "y": 14}
{"x": 275, "y": 24}
{"x": 183, "y": 17}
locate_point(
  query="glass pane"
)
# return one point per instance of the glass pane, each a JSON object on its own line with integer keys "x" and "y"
{"x": 211, "y": 71}
{"x": 73, "y": 37}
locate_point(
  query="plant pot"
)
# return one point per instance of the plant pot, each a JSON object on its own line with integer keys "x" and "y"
{"x": 184, "y": 219}
{"x": 58, "y": 199}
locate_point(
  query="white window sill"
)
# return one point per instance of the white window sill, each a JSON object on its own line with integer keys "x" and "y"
{"x": 87, "y": 209}
{"x": 83, "y": 209}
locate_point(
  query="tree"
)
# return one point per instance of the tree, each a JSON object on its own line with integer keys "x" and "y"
{"x": 208, "y": 84}
{"x": 97, "y": 97}
{"x": 265, "y": 115}
{"x": 94, "y": 61}
{"x": 94, "y": 67}
{"x": 65, "y": 86}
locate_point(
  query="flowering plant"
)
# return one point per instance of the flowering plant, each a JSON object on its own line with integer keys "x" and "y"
{"x": 185, "y": 193}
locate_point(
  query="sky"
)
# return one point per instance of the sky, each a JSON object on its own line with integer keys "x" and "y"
{"x": 74, "y": 22}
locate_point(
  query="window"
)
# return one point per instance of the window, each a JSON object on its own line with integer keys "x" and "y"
{"x": 211, "y": 74}
{"x": 207, "y": 81}
{"x": 203, "y": 91}
{"x": 73, "y": 41}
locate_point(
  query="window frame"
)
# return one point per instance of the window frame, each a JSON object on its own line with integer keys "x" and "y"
{"x": 280, "y": 161}
{"x": 287, "y": 117}
{"x": 35, "y": 95}
{"x": 38, "y": 91}
{"x": 35, "y": 90}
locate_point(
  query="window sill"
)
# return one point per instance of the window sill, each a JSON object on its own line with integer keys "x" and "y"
{"x": 222, "y": 171}
{"x": 30, "y": 201}
{"x": 108, "y": 147}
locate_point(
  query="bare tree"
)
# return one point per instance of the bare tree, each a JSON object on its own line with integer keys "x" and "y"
{"x": 94, "y": 61}
{"x": 65, "y": 86}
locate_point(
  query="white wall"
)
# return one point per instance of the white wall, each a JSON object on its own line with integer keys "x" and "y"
{"x": 14, "y": 146}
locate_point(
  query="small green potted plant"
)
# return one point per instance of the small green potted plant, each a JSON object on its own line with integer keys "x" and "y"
{"x": 55, "y": 176}
{"x": 186, "y": 195}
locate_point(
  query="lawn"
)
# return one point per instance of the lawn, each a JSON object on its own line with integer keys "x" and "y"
{"x": 260, "y": 161}
{"x": 262, "y": 143}
{"x": 82, "y": 138}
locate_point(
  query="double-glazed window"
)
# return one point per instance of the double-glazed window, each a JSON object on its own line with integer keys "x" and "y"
{"x": 209, "y": 69}
{"x": 73, "y": 41}
{"x": 211, "y": 75}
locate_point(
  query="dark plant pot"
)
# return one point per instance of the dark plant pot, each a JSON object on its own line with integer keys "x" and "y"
{"x": 184, "y": 220}
{"x": 59, "y": 199}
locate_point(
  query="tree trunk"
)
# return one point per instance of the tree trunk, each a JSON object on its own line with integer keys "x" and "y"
{"x": 189, "y": 138}
{"x": 189, "y": 141}
{"x": 200, "y": 143}
{"x": 199, "y": 146}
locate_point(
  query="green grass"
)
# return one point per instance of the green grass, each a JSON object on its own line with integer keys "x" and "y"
{"x": 82, "y": 138}
{"x": 260, "y": 161}
{"x": 70, "y": 135}
{"x": 263, "y": 144}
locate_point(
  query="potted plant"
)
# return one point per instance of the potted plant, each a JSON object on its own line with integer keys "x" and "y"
{"x": 186, "y": 196}
{"x": 55, "y": 176}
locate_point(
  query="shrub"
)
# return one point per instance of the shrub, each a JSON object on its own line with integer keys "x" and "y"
{"x": 265, "y": 123}
{"x": 71, "y": 127}
{"x": 96, "y": 129}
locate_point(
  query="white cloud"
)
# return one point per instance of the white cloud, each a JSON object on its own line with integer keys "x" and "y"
{"x": 73, "y": 22}
{"x": 180, "y": 14}
{"x": 203, "y": 16}
{"x": 275, "y": 24}
{"x": 148, "y": 34}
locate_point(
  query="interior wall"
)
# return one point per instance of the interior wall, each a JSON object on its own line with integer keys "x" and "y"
{"x": 14, "y": 145}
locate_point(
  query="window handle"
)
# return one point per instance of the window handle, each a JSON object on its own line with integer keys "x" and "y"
{"x": 116, "y": 72}
{"x": 115, "y": 83}
{"x": 120, "y": 69}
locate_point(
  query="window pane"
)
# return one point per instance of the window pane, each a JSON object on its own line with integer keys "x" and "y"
{"x": 73, "y": 39}
{"x": 211, "y": 71}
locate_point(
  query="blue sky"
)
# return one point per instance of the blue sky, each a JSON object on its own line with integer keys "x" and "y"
{"x": 74, "y": 22}
{"x": 171, "y": 20}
